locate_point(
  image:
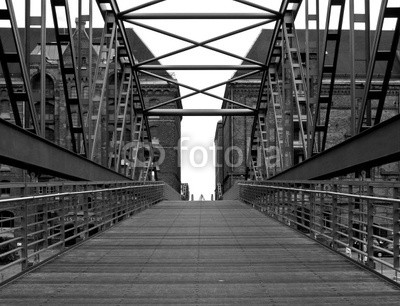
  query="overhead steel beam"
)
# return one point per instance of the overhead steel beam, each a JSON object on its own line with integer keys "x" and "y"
{"x": 200, "y": 112}
{"x": 22, "y": 149}
{"x": 376, "y": 146}
{"x": 201, "y": 67}
{"x": 165, "y": 16}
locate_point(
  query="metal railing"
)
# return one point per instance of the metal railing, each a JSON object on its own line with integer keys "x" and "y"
{"x": 360, "y": 219}
{"x": 57, "y": 216}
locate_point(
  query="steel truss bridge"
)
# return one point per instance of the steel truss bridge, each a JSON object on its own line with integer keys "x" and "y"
{"x": 108, "y": 233}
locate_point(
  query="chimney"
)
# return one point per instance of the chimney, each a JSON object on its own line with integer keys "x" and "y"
{"x": 80, "y": 26}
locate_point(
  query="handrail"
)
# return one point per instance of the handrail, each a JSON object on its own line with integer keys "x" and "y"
{"x": 357, "y": 196}
{"x": 359, "y": 223}
{"x": 40, "y": 227}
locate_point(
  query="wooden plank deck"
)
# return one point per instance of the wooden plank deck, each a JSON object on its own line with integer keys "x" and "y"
{"x": 220, "y": 252}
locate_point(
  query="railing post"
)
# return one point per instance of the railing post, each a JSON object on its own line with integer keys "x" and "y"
{"x": 303, "y": 208}
{"x": 281, "y": 206}
{"x": 350, "y": 212}
{"x": 396, "y": 234}
{"x": 294, "y": 207}
{"x": 320, "y": 207}
{"x": 45, "y": 223}
{"x": 62, "y": 219}
{"x": 311, "y": 198}
{"x": 370, "y": 229}
{"x": 24, "y": 235}
{"x": 85, "y": 207}
{"x": 334, "y": 216}
{"x": 75, "y": 203}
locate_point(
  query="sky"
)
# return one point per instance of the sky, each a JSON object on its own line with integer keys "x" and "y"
{"x": 197, "y": 138}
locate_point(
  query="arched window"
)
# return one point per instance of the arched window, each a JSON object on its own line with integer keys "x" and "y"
{"x": 5, "y": 191}
{"x": 86, "y": 92}
{"x": 6, "y": 219}
{"x": 73, "y": 93}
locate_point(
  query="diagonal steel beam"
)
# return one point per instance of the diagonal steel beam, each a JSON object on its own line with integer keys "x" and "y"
{"x": 376, "y": 146}
{"x": 199, "y": 91}
{"x": 22, "y": 149}
{"x": 203, "y": 44}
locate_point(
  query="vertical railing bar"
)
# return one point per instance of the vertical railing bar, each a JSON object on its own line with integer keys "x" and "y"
{"x": 396, "y": 232}
{"x": 370, "y": 230}
{"x": 311, "y": 197}
{"x": 334, "y": 217}
{"x": 62, "y": 218}
{"x": 85, "y": 207}
{"x": 350, "y": 213}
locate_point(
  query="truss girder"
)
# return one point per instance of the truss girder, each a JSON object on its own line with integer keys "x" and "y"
{"x": 328, "y": 71}
{"x": 68, "y": 69}
{"x": 384, "y": 57}
{"x": 292, "y": 51}
{"x": 274, "y": 56}
{"x": 125, "y": 57}
{"x": 7, "y": 58}
{"x": 276, "y": 99}
{"x": 99, "y": 86}
{"x": 120, "y": 118}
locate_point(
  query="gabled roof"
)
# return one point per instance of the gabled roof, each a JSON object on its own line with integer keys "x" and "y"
{"x": 138, "y": 47}
{"x": 260, "y": 48}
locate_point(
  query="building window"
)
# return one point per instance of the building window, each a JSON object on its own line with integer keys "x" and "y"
{"x": 5, "y": 109}
{"x": 5, "y": 191}
{"x": 74, "y": 119}
{"x": 73, "y": 93}
{"x": 86, "y": 92}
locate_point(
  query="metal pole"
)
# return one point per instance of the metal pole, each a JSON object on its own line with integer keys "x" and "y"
{"x": 370, "y": 229}
{"x": 79, "y": 62}
{"x": 367, "y": 55}
{"x": 309, "y": 126}
{"x": 396, "y": 232}
{"x": 43, "y": 71}
{"x": 25, "y": 112}
{"x": 352, "y": 72}
{"x": 90, "y": 107}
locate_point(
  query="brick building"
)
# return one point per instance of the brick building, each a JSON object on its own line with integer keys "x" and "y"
{"x": 165, "y": 130}
{"x": 233, "y": 133}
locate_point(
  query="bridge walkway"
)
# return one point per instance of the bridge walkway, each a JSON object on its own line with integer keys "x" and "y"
{"x": 221, "y": 252}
